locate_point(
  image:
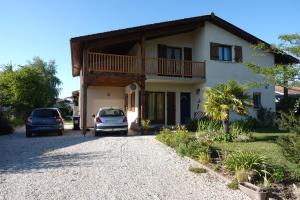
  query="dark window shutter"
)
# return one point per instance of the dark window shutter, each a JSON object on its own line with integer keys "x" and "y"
{"x": 238, "y": 54}
{"x": 214, "y": 51}
{"x": 162, "y": 51}
{"x": 187, "y": 53}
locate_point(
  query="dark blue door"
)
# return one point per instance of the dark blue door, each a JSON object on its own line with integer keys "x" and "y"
{"x": 185, "y": 107}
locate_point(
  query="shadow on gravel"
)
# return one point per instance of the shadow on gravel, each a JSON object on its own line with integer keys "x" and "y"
{"x": 19, "y": 154}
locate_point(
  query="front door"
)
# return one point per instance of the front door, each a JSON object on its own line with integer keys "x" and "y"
{"x": 171, "y": 108}
{"x": 185, "y": 107}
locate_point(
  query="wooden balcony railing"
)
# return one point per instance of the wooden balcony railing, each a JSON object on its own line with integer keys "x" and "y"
{"x": 100, "y": 62}
{"x": 113, "y": 63}
{"x": 177, "y": 68}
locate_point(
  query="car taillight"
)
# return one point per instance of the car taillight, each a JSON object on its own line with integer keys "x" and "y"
{"x": 98, "y": 120}
{"x": 125, "y": 119}
{"x": 58, "y": 119}
{"x": 29, "y": 119}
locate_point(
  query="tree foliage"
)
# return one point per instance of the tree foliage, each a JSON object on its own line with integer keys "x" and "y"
{"x": 283, "y": 74}
{"x": 222, "y": 99}
{"x": 29, "y": 86}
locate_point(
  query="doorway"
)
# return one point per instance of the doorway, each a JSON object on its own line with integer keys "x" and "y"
{"x": 185, "y": 107}
{"x": 171, "y": 108}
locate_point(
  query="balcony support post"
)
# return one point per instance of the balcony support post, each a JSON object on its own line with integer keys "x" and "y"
{"x": 84, "y": 92}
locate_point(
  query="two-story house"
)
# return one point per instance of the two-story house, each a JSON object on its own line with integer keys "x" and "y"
{"x": 160, "y": 71}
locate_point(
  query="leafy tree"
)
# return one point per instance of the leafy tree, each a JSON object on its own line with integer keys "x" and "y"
{"x": 222, "y": 99}
{"x": 32, "y": 85}
{"x": 283, "y": 74}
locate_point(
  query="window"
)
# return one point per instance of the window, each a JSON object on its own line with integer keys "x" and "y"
{"x": 155, "y": 107}
{"x": 44, "y": 113}
{"x": 132, "y": 101}
{"x": 257, "y": 99}
{"x": 174, "y": 53}
{"x": 220, "y": 52}
{"x": 111, "y": 112}
{"x": 169, "y": 52}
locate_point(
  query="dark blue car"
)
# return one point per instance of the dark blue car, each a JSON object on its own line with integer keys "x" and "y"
{"x": 43, "y": 120}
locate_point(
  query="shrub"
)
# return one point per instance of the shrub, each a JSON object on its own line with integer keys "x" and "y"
{"x": 290, "y": 148}
{"x": 204, "y": 157}
{"x": 192, "y": 125}
{"x": 234, "y": 184}
{"x": 243, "y": 138}
{"x": 244, "y": 160}
{"x": 239, "y": 131}
{"x": 289, "y": 122}
{"x": 173, "y": 139}
{"x": 209, "y": 125}
{"x": 145, "y": 123}
{"x": 265, "y": 117}
{"x": 197, "y": 170}
{"x": 295, "y": 175}
{"x": 5, "y": 127}
{"x": 243, "y": 175}
{"x": 191, "y": 149}
{"x": 277, "y": 173}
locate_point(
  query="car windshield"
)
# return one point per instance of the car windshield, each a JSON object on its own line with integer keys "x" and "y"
{"x": 111, "y": 113}
{"x": 45, "y": 113}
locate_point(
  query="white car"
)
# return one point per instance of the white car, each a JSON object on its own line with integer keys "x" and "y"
{"x": 110, "y": 120}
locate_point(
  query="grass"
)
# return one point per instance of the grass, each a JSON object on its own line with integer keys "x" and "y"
{"x": 264, "y": 144}
{"x": 197, "y": 170}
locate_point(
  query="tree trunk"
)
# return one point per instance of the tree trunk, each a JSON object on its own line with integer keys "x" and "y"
{"x": 226, "y": 125}
{"x": 285, "y": 99}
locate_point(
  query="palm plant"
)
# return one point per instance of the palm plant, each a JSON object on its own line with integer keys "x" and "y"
{"x": 222, "y": 99}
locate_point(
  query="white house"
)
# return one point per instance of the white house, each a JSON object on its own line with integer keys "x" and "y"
{"x": 160, "y": 71}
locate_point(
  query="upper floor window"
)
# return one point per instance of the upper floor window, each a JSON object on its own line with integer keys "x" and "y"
{"x": 169, "y": 52}
{"x": 174, "y": 53}
{"x": 220, "y": 52}
{"x": 257, "y": 99}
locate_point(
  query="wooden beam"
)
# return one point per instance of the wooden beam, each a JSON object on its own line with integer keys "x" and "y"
{"x": 84, "y": 92}
{"x": 112, "y": 40}
{"x": 142, "y": 82}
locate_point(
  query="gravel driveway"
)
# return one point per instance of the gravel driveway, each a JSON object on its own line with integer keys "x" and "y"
{"x": 77, "y": 167}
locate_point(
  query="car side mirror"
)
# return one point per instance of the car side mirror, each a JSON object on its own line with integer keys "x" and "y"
{"x": 93, "y": 116}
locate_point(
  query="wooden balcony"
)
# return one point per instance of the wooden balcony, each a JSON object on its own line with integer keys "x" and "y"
{"x": 99, "y": 62}
{"x": 175, "y": 68}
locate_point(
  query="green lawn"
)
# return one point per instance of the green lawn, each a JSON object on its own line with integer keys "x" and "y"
{"x": 264, "y": 144}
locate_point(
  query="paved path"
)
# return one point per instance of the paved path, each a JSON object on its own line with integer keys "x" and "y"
{"x": 76, "y": 167}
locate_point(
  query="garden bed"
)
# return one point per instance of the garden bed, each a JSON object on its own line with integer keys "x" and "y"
{"x": 263, "y": 146}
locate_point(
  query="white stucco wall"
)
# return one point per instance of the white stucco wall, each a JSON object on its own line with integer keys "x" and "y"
{"x": 103, "y": 96}
{"x": 216, "y": 71}
{"x": 179, "y": 40}
{"x": 220, "y": 72}
{"x": 132, "y": 116}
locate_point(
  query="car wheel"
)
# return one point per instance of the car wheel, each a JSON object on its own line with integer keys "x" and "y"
{"x": 98, "y": 133}
{"x": 28, "y": 134}
{"x": 60, "y": 133}
{"x": 125, "y": 133}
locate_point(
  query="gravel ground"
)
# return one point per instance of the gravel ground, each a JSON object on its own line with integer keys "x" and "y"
{"x": 77, "y": 167}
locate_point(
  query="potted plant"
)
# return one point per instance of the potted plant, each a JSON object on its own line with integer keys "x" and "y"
{"x": 253, "y": 191}
{"x": 145, "y": 126}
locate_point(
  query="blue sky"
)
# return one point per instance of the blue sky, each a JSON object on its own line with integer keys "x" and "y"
{"x": 43, "y": 28}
